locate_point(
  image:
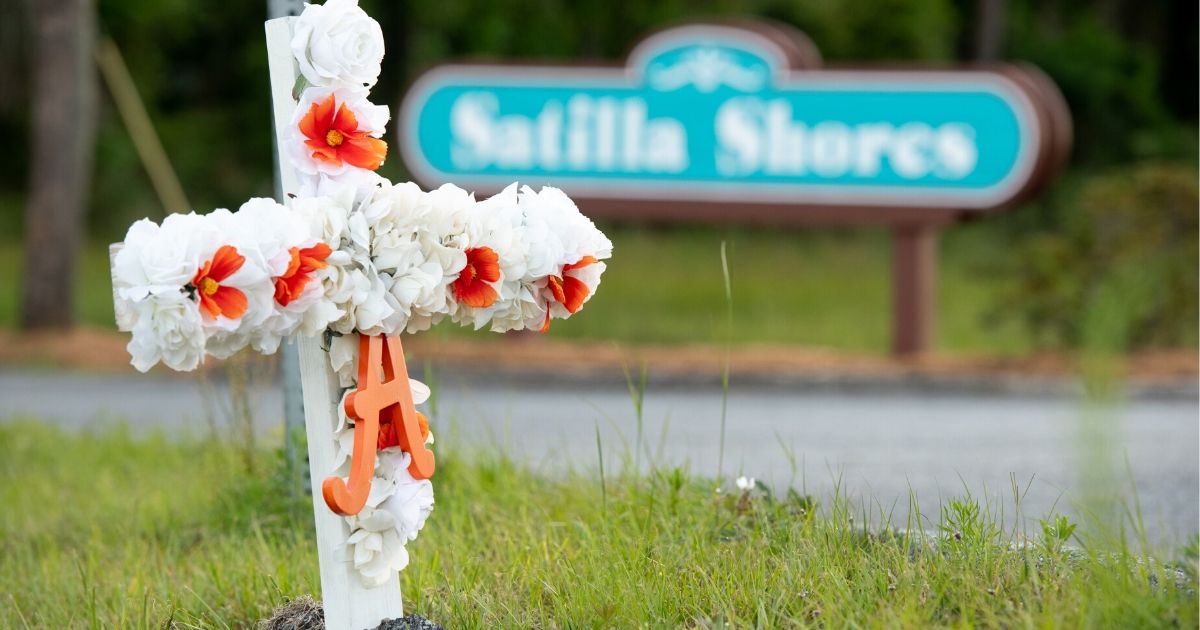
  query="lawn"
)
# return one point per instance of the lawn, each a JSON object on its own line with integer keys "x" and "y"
{"x": 109, "y": 530}
{"x": 816, "y": 288}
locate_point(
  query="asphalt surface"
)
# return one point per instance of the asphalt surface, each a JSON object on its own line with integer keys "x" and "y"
{"x": 878, "y": 447}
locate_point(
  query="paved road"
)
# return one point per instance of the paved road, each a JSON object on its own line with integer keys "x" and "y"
{"x": 879, "y": 445}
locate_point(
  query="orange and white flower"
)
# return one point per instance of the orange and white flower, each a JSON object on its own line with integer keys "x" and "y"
{"x": 566, "y": 254}
{"x": 489, "y": 286}
{"x": 286, "y": 295}
{"x": 218, "y": 298}
{"x": 474, "y": 286}
{"x": 566, "y": 292}
{"x": 336, "y": 130}
{"x": 232, "y": 285}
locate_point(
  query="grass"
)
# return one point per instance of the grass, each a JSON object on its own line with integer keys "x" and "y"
{"x": 817, "y": 288}
{"x": 109, "y": 530}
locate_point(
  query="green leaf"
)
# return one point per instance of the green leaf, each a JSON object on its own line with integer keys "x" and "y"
{"x": 299, "y": 87}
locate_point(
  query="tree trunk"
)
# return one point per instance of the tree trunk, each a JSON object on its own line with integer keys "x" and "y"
{"x": 991, "y": 22}
{"x": 63, "y": 143}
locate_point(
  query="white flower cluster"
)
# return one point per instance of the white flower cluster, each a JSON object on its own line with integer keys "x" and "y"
{"x": 335, "y": 131}
{"x": 406, "y": 258}
{"x": 217, "y": 283}
{"x": 355, "y": 255}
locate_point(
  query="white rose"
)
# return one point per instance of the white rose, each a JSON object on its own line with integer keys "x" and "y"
{"x": 326, "y": 217}
{"x": 410, "y": 500}
{"x": 338, "y": 45}
{"x": 168, "y": 329}
{"x": 351, "y": 188}
{"x": 158, "y": 260}
{"x": 375, "y": 546}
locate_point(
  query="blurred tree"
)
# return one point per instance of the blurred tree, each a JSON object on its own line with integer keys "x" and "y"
{"x": 1108, "y": 59}
{"x": 64, "y": 99}
{"x": 14, "y": 110}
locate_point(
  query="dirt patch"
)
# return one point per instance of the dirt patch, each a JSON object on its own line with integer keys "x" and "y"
{"x": 551, "y": 356}
{"x": 305, "y": 613}
{"x": 104, "y": 350}
{"x": 80, "y": 348}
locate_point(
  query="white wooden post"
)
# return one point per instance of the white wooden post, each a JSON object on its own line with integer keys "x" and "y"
{"x": 348, "y": 604}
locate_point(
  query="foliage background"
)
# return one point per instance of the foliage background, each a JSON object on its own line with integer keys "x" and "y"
{"x": 1128, "y": 71}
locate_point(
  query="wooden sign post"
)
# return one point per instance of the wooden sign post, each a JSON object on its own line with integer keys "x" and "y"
{"x": 914, "y": 287}
{"x": 348, "y": 604}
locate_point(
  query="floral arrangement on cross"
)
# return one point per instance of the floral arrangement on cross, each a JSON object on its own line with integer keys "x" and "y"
{"x": 357, "y": 260}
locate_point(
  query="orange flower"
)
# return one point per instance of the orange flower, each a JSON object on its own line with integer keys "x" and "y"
{"x": 568, "y": 290}
{"x": 471, "y": 287}
{"x": 217, "y": 299}
{"x": 389, "y": 436}
{"x": 291, "y": 284}
{"x": 333, "y": 136}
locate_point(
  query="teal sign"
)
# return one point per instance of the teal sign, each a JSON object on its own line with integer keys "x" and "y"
{"x": 712, "y": 113}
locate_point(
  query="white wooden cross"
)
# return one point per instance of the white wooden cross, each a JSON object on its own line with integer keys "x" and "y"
{"x": 169, "y": 325}
{"x": 348, "y": 604}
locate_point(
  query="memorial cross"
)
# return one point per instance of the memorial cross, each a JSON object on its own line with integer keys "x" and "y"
{"x": 347, "y": 265}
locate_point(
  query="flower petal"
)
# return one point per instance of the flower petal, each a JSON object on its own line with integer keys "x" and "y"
{"x": 420, "y": 391}
{"x": 363, "y": 151}
{"x": 475, "y": 293}
{"x": 575, "y": 293}
{"x": 556, "y": 287}
{"x": 231, "y": 302}
{"x": 309, "y": 124}
{"x": 225, "y": 263}
{"x": 579, "y": 264}
{"x": 345, "y": 121}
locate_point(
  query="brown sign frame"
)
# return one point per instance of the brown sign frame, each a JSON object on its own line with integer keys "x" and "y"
{"x": 915, "y": 225}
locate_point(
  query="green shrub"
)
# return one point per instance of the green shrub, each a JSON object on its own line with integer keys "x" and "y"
{"x": 1133, "y": 231}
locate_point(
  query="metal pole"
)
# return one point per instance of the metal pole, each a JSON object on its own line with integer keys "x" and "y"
{"x": 289, "y": 360}
{"x": 284, "y": 8}
{"x": 914, "y": 276}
